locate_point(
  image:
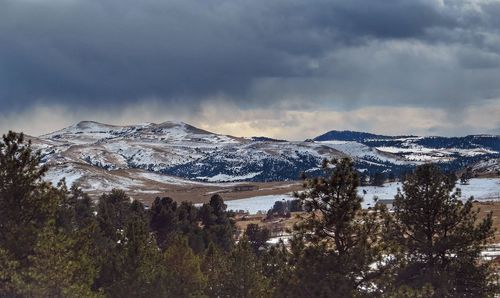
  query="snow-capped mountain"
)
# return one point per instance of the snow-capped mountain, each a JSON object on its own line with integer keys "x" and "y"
{"x": 91, "y": 149}
{"x": 100, "y": 156}
{"x": 451, "y": 153}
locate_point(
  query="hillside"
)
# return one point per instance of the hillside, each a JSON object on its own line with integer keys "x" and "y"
{"x": 153, "y": 156}
{"x": 452, "y": 153}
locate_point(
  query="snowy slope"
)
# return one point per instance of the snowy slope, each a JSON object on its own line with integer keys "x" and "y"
{"x": 100, "y": 156}
{"x": 172, "y": 149}
{"x": 481, "y": 189}
{"x": 450, "y": 153}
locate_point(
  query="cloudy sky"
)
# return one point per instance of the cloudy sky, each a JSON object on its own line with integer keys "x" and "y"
{"x": 282, "y": 68}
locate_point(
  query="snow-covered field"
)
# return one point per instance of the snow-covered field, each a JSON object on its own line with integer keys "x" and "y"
{"x": 479, "y": 188}
{"x": 482, "y": 189}
{"x": 256, "y": 204}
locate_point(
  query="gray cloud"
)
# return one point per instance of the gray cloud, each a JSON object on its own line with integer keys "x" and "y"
{"x": 311, "y": 55}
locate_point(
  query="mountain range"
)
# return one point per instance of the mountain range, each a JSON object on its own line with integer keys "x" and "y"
{"x": 148, "y": 156}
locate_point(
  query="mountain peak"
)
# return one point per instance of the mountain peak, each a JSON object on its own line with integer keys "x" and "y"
{"x": 348, "y": 135}
{"x": 88, "y": 124}
{"x": 171, "y": 123}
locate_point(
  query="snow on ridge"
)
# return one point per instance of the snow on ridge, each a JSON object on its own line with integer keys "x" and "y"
{"x": 177, "y": 147}
{"x": 162, "y": 178}
{"x": 84, "y": 127}
{"x": 106, "y": 183}
{"x": 424, "y": 154}
{"x": 225, "y": 177}
{"x": 358, "y": 150}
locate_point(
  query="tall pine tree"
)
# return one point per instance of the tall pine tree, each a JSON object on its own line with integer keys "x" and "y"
{"x": 337, "y": 241}
{"x": 26, "y": 202}
{"x": 439, "y": 237}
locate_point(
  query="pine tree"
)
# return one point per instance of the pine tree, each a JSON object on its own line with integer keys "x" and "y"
{"x": 26, "y": 202}
{"x": 60, "y": 267}
{"x": 217, "y": 225}
{"x": 466, "y": 176}
{"x": 130, "y": 263}
{"x": 164, "y": 220}
{"x": 337, "y": 241}
{"x": 438, "y": 237}
{"x": 188, "y": 225}
{"x": 276, "y": 268}
{"x": 378, "y": 179}
{"x": 10, "y": 276}
{"x": 257, "y": 236}
{"x": 239, "y": 274}
{"x": 75, "y": 211}
{"x": 184, "y": 277}
{"x": 246, "y": 278}
{"x": 215, "y": 266}
{"x": 137, "y": 262}
{"x": 113, "y": 211}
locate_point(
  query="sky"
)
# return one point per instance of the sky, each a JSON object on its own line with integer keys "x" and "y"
{"x": 289, "y": 69}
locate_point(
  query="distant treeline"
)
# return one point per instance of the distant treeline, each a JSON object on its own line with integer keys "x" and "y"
{"x": 57, "y": 242}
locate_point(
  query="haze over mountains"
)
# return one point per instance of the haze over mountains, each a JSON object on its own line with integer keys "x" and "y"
{"x": 150, "y": 156}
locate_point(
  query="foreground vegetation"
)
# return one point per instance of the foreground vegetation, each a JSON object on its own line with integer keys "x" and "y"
{"x": 55, "y": 242}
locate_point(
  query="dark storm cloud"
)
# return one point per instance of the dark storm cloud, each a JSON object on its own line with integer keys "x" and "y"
{"x": 89, "y": 52}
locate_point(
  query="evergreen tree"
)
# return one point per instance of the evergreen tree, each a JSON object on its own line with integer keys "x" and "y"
{"x": 245, "y": 278}
{"x": 75, "y": 211}
{"x": 295, "y": 205}
{"x": 277, "y": 268}
{"x": 188, "y": 225}
{"x": 184, "y": 277}
{"x": 280, "y": 208}
{"x": 164, "y": 220}
{"x": 10, "y": 276}
{"x": 337, "y": 241}
{"x": 378, "y": 179}
{"x": 113, "y": 210}
{"x": 438, "y": 237}
{"x": 26, "y": 202}
{"x": 239, "y": 274}
{"x": 206, "y": 215}
{"x": 215, "y": 266}
{"x": 452, "y": 178}
{"x": 128, "y": 255}
{"x": 466, "y": 176}
{"x": 60, "y": 267}
{"x": 137, "y": 264}
{"x": 218, "y": 209}
{"x": 218, "y": 227}
{"x": 257, "y": 236}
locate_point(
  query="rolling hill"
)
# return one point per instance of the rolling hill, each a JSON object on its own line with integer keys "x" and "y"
{"x": 152, "y": 156}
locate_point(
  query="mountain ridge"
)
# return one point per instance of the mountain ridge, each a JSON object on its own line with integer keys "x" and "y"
{"x": 178, "y": 149}
{"x": 321, "y": 137}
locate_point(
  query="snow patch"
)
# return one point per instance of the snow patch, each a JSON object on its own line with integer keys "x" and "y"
{"x": 229, "y": 178}
{"x": 255, "y": 204}
{"x": 479, "y": 188}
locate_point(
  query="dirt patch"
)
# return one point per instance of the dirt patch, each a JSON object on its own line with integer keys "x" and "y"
{"x": 487, "y": 207}
{"x": 202, "y": 193}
